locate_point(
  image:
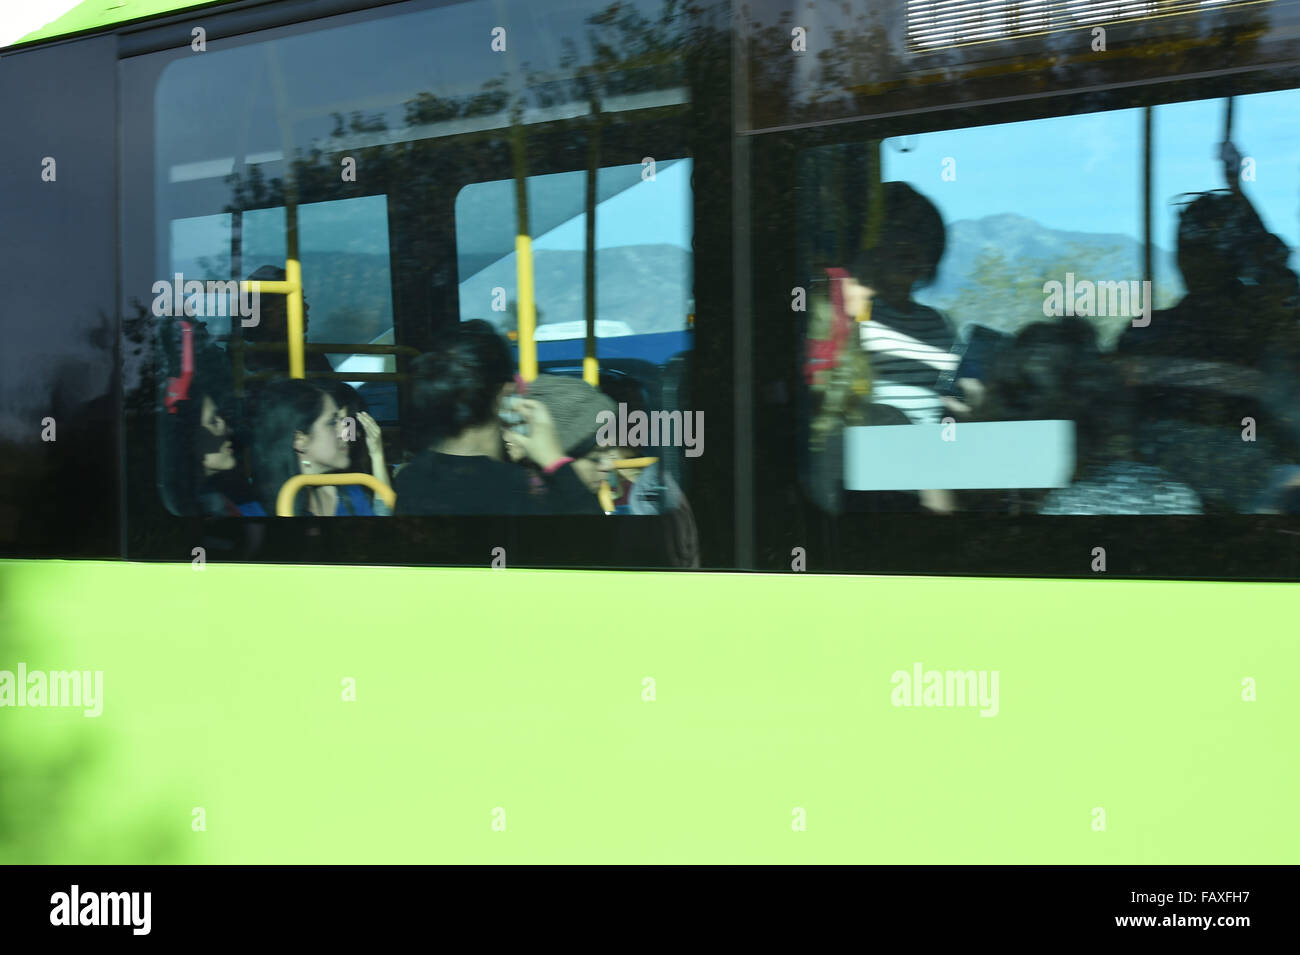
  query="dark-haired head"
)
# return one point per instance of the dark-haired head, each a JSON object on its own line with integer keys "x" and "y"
{"x": 346, "y": 397}
{"x": 198, "y": 458}
{"x": 1220, "y": 235}
{"x": 295, "y": 432}
{"x": 909, "y": 247}
{"x": 351, "y": 404}
{"x": 459, "y": 383}
{"x": 1204, "y": 226}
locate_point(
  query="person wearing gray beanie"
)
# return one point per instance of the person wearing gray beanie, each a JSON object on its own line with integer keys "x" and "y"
{"x": 576, "y": 409}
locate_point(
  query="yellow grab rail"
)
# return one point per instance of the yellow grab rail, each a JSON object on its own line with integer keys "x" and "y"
{"x": 290, "y": 488}
{"x": 631, "y": 464}
{"x": 526, "y": 307}
{"x": 292, "y": 287}
{"x": 605, "y": 495}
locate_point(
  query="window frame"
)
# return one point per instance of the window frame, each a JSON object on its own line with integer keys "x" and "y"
{"x": 153, "y": 533}
{"x": 1238, "y": 547}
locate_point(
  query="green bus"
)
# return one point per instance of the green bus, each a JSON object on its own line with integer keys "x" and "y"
{"x": 1052, "y": 244}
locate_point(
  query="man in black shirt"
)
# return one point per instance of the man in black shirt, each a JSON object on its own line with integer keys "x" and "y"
{"x": 457, "y": 395}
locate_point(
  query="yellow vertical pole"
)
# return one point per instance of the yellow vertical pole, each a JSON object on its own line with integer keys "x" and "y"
{"x": 590, "y": 364}
{"x": 525, "y": 305}
{"x": 526, "y": 308}
{"x": 293, "y": 273}
{"x": 293, "y": 264}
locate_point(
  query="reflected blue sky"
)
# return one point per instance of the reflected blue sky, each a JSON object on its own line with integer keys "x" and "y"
{"x": 1084, "y": 173}
{"x": 650, "y": 213}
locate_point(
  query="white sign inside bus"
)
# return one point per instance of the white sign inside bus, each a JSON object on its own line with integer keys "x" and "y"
{"x": 986, "y": 454}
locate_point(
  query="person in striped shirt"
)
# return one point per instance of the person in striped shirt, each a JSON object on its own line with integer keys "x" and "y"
{"x": 908, "y": 344}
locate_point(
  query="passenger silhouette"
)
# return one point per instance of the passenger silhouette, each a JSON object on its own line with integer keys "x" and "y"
{"x": 1241, "y": 301}
{"x": 1224, "y": 357}
{"x": 909, "y": 345}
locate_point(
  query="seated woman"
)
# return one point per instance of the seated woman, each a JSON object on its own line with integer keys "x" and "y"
{"x": 297, "y": 432}
{"x": 201, "y": 475}
{"x": 461, "y": 468}
{"x": 365, "y": 456}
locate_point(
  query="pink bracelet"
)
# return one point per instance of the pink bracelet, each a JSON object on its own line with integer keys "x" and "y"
{"x": 551, "y": 469}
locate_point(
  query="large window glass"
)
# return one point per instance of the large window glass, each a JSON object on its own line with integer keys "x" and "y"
{"x": 642, "y": 258}
{"x": 1086, "y": 314}
{"x": 386, "y": 154}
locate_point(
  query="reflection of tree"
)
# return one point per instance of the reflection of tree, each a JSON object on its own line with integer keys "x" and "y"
{"x": 622, "y": 51}
{"x": 1001, "y": 294}
{"x": 1007, "y": 295}
{"x": 46, "y": 773}
{"x": 771, "y": 73}
{"x": 626, "y": 52}
{"x": 863, "y": 66}
{"x": 39, "y": 780}
{"x": 630, "y": 52}
{"x": 422, "y": 166}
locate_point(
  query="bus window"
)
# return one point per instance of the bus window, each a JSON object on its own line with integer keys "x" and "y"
{"x": 996, "y": 288}
{"x": 643, "y": 272}
{"x": 345, "y": 266}
{"x": 341, "y": 150}
{"x": 643, "y": 259}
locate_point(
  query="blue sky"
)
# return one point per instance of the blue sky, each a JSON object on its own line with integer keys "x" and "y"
{"x": 1077, "y": 173}
{"x": 650, "y": 213}
{"x": 1083, "y": 173}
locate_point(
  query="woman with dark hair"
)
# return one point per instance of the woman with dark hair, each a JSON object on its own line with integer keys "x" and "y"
{"x": 457, "y": 398}
{"x": 365, "y": 456}
{"x": 200, "y": 474}
{"x": 297, "y": 432}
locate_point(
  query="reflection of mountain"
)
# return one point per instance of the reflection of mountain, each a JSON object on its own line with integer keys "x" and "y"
{"x": 994, "y": 269}
{"x": 646, "y": 286}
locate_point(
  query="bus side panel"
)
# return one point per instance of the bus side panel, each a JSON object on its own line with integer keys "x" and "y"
{"x": 59, "y": 487}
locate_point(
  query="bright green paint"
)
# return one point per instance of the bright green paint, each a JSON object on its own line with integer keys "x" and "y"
{"x": 94, "y": 14}
{"x": 523, "y": 690}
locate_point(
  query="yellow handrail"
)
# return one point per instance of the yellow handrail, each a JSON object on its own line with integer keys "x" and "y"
{"x": 605, "y": 495}
{"x": 590, "y": 366}
{"x": 629, "y": 464}
{"x": 290, "y": 488}
{"x": 292, "y": 287}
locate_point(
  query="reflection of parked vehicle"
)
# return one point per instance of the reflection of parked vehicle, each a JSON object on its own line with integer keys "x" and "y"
{"x": 563, "y": 331}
